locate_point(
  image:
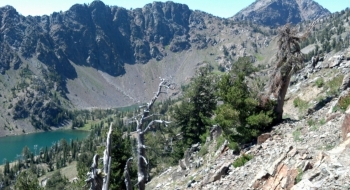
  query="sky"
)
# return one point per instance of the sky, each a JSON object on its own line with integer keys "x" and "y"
{"x": 221, "y": 8}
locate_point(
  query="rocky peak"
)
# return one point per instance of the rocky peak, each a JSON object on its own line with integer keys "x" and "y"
{"x": 280, "y": 12}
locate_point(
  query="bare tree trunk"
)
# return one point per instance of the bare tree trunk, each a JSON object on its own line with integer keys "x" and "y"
{"x": 96, "y": 178}
{"x": 289, "y": 60}
{"x": 107, "y": 160}
{"x": 141, "y": 161}
{"x": 127, "y": 175}
{"x": 142, "y": 175}
{"x": 281, "y": 94}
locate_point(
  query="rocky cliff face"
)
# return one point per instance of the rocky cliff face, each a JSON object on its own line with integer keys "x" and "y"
{"x": 280, "y": 12}
{"x": 94, "y": 35}
{"x": 89, "y": 46}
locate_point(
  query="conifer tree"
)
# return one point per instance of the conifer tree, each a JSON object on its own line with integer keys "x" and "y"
{"x": 199, "y": 103}
{"x": 241, "y": 115}
{"x": 120, "y": 152}
{"x": 28, "y": 181}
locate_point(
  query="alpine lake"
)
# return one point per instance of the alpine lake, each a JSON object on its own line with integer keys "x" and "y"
{"x": 11, "y": 146}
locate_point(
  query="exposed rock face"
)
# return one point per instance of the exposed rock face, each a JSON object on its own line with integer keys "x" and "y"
{"x": 94, "y": 35}
{"x": 283, "y": 179}
{"x": 280, "y": 12}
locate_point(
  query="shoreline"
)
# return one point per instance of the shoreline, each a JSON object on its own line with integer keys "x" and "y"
{"x": 42, "y": 131}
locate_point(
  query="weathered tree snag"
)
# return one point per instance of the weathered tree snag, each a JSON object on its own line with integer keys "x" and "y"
{"x": 289, "y": 59}
{"x": 127, "y": 175}
{"x": 142, "y": 175}
{"x": 107, "y": 160}
{"x": 96, "y": 178}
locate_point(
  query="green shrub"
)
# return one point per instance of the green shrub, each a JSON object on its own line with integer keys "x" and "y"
{"x": 203, "y": 150}
{"x": 322, "y": 121}
{"x": 203, "y": 137}
{"x": 301, "y": 104}
{"x": 299, "y": 176}
{"x": 244, "y": 158}
{"x": 344, "y": 103}
{"x": 333, "y": 85}
{"x": 233, "y": 146}
{"x": 219, "y": 141}
{"x": 296, "y": 134}
{"x": 314, "y": 128}
{"x": 311, "y": 122}
{"x": 319, "y": 82}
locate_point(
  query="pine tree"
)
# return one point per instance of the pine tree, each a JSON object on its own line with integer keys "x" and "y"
{"x": 57, "y": 181}
{"x": 120, "y": 152}
{"x": 241, "y": 116}
{"x": 7, "y": 168}
{"x": 27, "y": 180}
{"x": 199, "y": 103}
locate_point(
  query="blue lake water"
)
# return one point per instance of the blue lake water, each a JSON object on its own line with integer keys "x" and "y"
{"x": 12, "y": 146}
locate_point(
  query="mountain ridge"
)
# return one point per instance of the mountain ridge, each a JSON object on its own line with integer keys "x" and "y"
{"x": 279, "y": 12}
{"x": 69, "y": 60}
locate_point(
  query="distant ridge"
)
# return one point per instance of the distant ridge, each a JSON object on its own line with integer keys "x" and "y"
{"x": 280, "y": 12}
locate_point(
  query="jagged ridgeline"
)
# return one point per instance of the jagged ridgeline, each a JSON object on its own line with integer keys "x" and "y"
{"x": 96, "y": 35}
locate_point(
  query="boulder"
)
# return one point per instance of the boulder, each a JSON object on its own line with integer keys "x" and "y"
{"x": 345, "y": 129}
{"x": 292, "y": 152}
{"x": 182, "y": 164}
{"x": 263, "y": 137}
{"x": 284, "y": 178}
{"x": 336, "y": 60}
{"x": 267, "y": 172}
{"x": 215, "y": 132}
{"x": 178, "y": 175}
{"x": 223, "y": 170}
{"x": 345, "y": 83}
{"x": 335, "y": 63}
{"x": 303, "y": 185}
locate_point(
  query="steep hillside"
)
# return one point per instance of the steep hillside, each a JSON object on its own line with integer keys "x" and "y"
{"x": 310, "y": 150}
{"x": 280, "y": 12}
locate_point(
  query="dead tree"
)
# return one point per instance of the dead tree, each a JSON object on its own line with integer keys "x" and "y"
{"x": 289, "y": 59}
{"x": 127, "y": 175}
{"x": 100, "y": 180}
{"x": 141, "y": 129}
{"x": 107, "y": 160}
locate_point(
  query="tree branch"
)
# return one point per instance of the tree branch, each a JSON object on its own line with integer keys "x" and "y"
{"x": 155, "y": 121}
